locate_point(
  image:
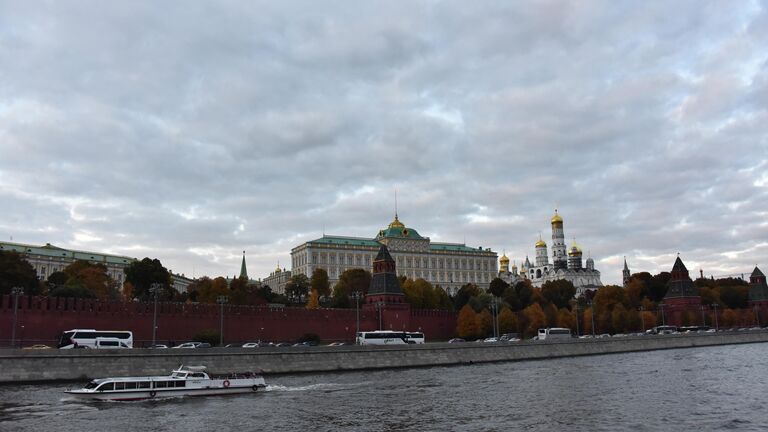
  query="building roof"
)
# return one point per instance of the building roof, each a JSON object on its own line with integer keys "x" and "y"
{"x": 757, "y": 273}
{"x": 50, "y": 250}
{"x": 383, "y": 254}
{"x": 679, "y": 266}
{"x": 454, "y": 247}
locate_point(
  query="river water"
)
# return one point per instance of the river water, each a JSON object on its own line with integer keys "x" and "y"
{"x": 703, "y": 389}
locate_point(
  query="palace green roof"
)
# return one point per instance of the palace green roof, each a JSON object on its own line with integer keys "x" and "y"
{"x": 351, "y": 241}
{"x": 454, "y": 247}
{"x": 54, "y": 251}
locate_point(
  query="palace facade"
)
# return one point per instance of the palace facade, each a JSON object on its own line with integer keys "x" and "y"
{"x": 49, "y": 259}
{"x": 449, "y": 265}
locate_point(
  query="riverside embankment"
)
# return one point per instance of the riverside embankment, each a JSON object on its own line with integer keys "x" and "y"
{"x": 18, "y": 366}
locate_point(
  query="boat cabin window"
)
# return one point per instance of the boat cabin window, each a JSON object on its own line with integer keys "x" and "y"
{"x": 106, "y": 387}
{"x": 119, "y": 386}
{"x": 161, "y": 384}
{"x": 143, "y": 385}
{"x": 197, "y": 375}
{"x": 91, "y": 385}
{"x": 178, "y": 384}
{"x": 180, "y": 374}
{"x": 130, "y": 385}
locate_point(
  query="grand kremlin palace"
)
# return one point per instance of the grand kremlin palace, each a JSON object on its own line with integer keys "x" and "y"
{"x": 449, "y": 265}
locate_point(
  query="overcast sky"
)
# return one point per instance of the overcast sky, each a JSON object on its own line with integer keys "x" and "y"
{"x": 193, "y": 131}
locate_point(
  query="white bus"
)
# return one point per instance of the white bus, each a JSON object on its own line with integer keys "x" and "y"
{"x": 415, "y": 337}
{"x": 382, "y": 337}
{"x": 87, "y": 338}
{"x": 554, "y": 333}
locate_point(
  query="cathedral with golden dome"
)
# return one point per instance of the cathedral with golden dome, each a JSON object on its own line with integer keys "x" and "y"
{"x": 566, "y": 263}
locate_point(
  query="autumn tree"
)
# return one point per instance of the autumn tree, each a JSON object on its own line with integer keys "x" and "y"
{"x": 566, "y": 319}
{"x": 312, "y": 302}
{"x": 536, "y": 319}
{"x": 484, "y": 323}
{"x": 510, "y": 297}
{"x": 586, "y": 322}
{"x": 507, "y": 321}
{"x": 208, "y": 293}
{"x": 319, "y": 282}
{"x": 466, "y": 324}
{"x": 524, "y": 291}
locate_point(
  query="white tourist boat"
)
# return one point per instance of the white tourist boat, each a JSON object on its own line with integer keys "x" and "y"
{"x": 184, "y": 381}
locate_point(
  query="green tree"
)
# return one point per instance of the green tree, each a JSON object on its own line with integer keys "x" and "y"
{"x": 510, "y": 297}
{"x": 142, "y": 274}
{"x": 15, "y": 271}
{"x": 57, "y": 279}
{"x": 209, "y": 292}
{"x": 734, "y": 297}
{"x": 524, "y": 291}
{"x": 466, "y": 292}
{"x": 352, "y": 280}
{"x": 319, "y": 282}
{"x": 297, "y": 287}
{"x": 657, "y": 287}
{"x": 558, "y": 292}
{"x": 497, "y": 287}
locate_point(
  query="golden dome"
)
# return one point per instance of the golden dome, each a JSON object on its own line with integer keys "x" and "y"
{"x": 277, "y": 270}
{"x": 575, "y": 250}
{"x": 556, "y": 218}
{"x": 541, "y": 243}
{"x": 396, "y": 223}
{"x": 504, "y": 260}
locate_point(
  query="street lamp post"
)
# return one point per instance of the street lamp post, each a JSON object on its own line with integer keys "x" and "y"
{"x": 642, "y": 320}
{"x": 15, "y": 292}
{"x": 576, "y": 309}
{"x": 592, "y": 309}
{"x": 494, "y": 309}
{"x": 221, "y": 300}
{"x": 703, "y": 317}
{"x": 155, "y": 289}
{"x": 717, "y": 326}
{"x": 663, "y": 315}
{"x": 356, "y": 296}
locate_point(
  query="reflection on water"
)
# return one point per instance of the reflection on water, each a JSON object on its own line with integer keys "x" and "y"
{"x": 717, "y": 388}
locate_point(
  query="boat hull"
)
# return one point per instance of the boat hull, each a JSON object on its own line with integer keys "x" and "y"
{"x": 133, "y": 395}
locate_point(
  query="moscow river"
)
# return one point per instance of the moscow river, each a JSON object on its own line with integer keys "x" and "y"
{"x": 703, "y": 389}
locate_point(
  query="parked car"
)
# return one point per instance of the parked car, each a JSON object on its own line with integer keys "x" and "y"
{"x": 158, "y": 346}
{"x": 37, "y": 347}
{"x": 510, "y": 337}
{"x": 491, "y": 339}
{"x": 282, "y": 344}
{"x": 233, "y": 345}
{"x": 456, "y": 340}
{"x": 251, "y": 345}
{"x": 190, "y": 345}
{"x": 337, "y": 344}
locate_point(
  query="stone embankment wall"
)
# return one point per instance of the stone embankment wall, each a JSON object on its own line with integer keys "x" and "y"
{"x": 53, "y": 365}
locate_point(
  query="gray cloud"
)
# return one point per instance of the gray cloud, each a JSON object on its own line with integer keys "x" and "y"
{"x": 190, "y": 132}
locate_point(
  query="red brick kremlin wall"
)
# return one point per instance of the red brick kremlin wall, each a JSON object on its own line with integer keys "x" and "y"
{"x": 42, "y": 319}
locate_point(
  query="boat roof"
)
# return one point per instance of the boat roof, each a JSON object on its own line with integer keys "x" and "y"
{"x": 183, "y": 368}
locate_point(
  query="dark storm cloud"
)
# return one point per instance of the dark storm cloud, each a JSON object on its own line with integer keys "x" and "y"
{"x": 190, "y": 132}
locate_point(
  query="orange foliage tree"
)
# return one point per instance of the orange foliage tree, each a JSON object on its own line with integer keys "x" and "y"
{"x": 536, "y": 319}
{"x": 484, "y": 323}
{"x": 507, "y": 321}
{"x": 466, "y": 324}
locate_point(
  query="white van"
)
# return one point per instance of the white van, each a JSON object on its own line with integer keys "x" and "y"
{"x": 110, "y": 343}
